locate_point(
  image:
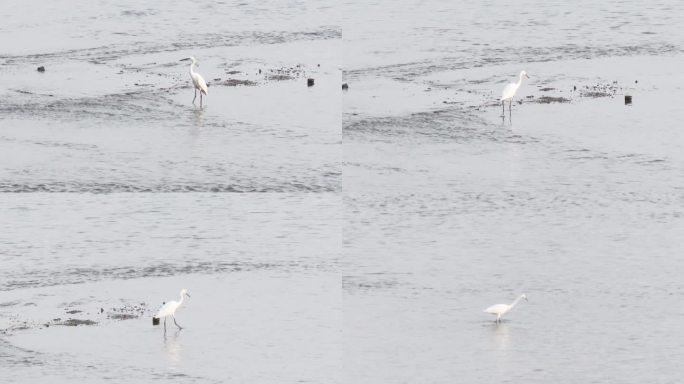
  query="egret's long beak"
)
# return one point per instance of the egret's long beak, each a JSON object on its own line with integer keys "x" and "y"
{"x": 527, "y": 76}
{"x": 525, "y": 298}
{"x": 189, "y": 295}
{"x": 187, "y": 58}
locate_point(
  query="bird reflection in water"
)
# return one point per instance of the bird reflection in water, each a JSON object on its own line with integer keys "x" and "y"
{"x": 501, "y": 336}
{"x": 199, "y": 117}
{"x": 173, "y": 348}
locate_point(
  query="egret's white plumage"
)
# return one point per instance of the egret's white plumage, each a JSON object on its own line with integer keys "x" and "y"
{"x": 197, "y": 80}
{"x": 500, "y": 309}
{"x": 169, "y": 309}
{"x": 510, "y": 90}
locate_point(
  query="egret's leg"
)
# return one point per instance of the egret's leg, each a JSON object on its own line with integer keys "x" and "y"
{"x": 174, "y": 317}
{"x": 193, "y": 99}
{"x": 164, "y": 324}
{"x": 503, "y": 108}
{"x": 200, "y": 99}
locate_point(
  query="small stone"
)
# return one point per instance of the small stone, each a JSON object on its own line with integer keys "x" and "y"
{"x": 628, "y": 99}
{"x": 309, "y": 82}
{"x": 41, "y": 69}
{"x": 345, "y": 86}
{"x": 259, "y": 71}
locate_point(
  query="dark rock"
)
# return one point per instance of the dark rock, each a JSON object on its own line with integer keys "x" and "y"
{"x": 309, "y": 82}
{"x": 574, "y": 87}
{"x": 628, "y": 99}
{"x": 41, "y": 69}
{"x": 155, "y": 321}
{"x": 345, "y": 86}
{"x": 260, "y": 71}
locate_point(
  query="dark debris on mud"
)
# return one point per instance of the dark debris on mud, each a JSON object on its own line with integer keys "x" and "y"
{"x": 72, "y": 322}
{"x": 285, "y": 73}
{"x": 127, "y": 312}
{"x": 587, "y": 91}
{"x": 86, "y": 318}
{"x": 236, "y": 82}
{"x": 600, "y": 90}
{"x": 263, "y": 75}
{"x": 550, "y": 99}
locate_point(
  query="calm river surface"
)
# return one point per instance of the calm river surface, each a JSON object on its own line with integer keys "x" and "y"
{"x": 450, "y": 209}
{"x": 116, "y": 192}
{"x": 331, "y": 236}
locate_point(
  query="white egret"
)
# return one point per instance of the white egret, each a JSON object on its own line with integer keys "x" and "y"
{"x": 169, "y": 309}
{"x": 500, "y": 309}
{"x": 197, "y": 80}
{"x": 510, "y": 90}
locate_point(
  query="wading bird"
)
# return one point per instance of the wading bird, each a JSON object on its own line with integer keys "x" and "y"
{"x": 197, "y": 80}
{"x": 510, "y": 90}
{"x": 169, "y": 309}
{"x": 500, "y": 309}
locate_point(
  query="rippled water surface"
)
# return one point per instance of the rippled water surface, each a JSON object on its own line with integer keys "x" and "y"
{"x": 116, "y": 192}
{"x": 362, "y": 250}
{"x": 573, "y": 198}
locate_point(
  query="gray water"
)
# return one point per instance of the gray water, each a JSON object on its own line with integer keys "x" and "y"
{"x": 116, "y": 192}
{"x": 450, "y": 209}
{"x": 341, "y": 237}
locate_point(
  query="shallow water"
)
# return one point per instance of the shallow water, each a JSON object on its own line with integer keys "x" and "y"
{"x": 113, "y": 110}
{"x": 117, "y": 191}
{"x": 362, "y": 251}
{"x": 450, "y": 208}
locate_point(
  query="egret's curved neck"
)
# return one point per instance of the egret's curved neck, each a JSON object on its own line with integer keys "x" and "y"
{"x": 181, "y": 300}
{"x": 518, "y": 299}
{"x": 519, "y": 80}
{"x": 192, "y": 72}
